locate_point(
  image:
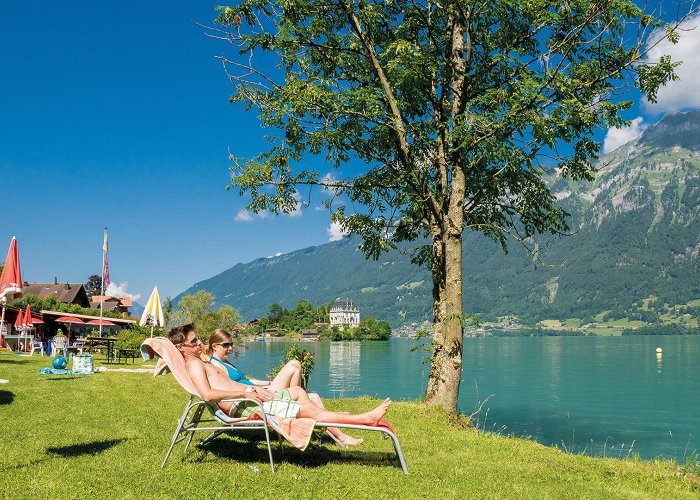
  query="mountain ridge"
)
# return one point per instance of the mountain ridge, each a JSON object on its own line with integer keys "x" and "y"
{"x": 636, "y": 235}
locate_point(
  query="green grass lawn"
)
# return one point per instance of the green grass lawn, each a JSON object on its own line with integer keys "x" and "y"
{"x": 104, "y": 436}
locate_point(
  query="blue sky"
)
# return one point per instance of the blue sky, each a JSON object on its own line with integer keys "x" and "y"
{"x": 116, "y": 114}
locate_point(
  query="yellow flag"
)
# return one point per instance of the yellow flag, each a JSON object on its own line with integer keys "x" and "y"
{"x": 104, "y": 245}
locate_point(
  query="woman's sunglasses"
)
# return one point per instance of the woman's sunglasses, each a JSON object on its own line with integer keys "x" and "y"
{"x": 225, "y": 345}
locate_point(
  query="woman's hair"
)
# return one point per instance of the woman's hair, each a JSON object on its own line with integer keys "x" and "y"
{"x": 217, "y": 337}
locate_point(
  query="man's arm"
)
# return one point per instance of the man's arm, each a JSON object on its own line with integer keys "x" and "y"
{"x": 199, "y": 377}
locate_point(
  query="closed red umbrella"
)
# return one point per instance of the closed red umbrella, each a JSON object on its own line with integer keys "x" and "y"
{"x": 19, "y": 325}
{"x": 29, "y": 320}
{"x": 19, "y": 322}
{"x": 10, "y": 280}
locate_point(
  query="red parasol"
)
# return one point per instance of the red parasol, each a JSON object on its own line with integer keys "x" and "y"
{"x": 69, "y": 320}
{"x": 10, "y": 282}
{"x": 103, "y": 322}
{"x": 11, "y": 278}
{"x": 28, "y": 320}
{"x": 19, "y": 322}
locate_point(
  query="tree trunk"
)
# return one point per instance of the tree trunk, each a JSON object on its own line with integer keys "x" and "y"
{"x": 446, "y": 363}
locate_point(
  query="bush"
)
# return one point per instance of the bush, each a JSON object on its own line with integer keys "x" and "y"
{"x": 132, "y": 337}
{"x": 306, "y": 358}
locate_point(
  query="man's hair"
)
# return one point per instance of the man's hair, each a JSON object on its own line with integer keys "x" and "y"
{"x": 178, "y": 334}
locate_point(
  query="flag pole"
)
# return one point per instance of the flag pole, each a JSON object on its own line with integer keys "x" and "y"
{"x": 102, "y": 292}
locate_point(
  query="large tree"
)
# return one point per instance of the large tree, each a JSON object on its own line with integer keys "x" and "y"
{"x": 444, "y": 116}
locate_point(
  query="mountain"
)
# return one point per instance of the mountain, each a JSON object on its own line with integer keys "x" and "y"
{"x": 635, "y": 241}
{"x": 136, "y": 310}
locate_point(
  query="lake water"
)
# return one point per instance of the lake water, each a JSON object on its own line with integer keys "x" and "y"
{"x": 601, "y": 396}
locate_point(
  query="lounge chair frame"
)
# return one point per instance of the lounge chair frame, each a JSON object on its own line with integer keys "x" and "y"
{"x": 194, "y": 419}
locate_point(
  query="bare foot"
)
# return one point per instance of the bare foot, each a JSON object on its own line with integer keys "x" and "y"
{"x": 378, "y": 413}
{"x": 346, "y": 439}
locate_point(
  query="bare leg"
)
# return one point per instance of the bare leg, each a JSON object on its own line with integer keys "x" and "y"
{"x": 309, "y": 409}
{"x": 346, "y": 439}
{"x": 289, "y": 376}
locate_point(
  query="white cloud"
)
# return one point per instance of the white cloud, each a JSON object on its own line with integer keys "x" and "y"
{"x": 243, "y": 216}
{"x": 329, "y": 179}
{"x": 681, "y": 94}
{"x": 335, "y": 232}
{"x": 616, "y": 137}
{"x": 120, "y": 290}
{"x": 298, "y": 204}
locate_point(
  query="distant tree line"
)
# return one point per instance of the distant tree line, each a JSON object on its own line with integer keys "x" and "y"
{"x": 668, "y": 329}
{"x": 306, "y": 316}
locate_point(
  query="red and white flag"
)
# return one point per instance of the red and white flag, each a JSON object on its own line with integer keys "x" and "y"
{"x": 105, "y": 269}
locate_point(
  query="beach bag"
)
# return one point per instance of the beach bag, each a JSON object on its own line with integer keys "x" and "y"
{"x": 83, "y": 364}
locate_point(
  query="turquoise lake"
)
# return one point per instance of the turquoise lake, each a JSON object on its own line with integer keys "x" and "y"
{"x": 603, "y": 396}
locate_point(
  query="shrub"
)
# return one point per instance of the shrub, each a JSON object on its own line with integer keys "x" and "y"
{"x": 306, "y": 358}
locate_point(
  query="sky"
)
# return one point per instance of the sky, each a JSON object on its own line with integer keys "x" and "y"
{"x": 116, "y": 114}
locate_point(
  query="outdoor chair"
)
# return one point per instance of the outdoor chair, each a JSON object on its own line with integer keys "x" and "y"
{"x": 59, "y": 344}
{"x": 37, "y": 345}
{"x": 194, "y": 419}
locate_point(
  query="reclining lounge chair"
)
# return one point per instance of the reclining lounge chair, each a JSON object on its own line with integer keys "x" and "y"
{"x": 202, "y": 416}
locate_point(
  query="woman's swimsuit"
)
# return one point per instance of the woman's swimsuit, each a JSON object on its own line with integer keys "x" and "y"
{"x": 233, "y": 373}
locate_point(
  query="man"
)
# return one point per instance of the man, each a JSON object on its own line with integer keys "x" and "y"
{"x": 213, "y": 385}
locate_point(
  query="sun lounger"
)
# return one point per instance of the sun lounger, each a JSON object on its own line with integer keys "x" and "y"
{"x": 201, "y": 416}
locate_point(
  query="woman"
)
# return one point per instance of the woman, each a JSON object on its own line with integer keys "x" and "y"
{"x": 219, "y": 349}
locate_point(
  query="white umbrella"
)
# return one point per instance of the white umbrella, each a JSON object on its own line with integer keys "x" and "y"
{"x": 153, "y": 313}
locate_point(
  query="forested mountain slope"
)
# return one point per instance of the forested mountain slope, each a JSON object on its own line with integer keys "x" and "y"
{"x": 636, "y": 234}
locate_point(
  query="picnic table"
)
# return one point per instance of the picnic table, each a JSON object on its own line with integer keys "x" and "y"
{"x": 95, "y": 343}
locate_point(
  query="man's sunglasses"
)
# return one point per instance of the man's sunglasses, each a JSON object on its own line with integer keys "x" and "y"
{"x": 194, "y": 341}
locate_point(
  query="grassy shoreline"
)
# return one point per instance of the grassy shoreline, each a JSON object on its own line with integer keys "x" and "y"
{"x": 104, "y": 436}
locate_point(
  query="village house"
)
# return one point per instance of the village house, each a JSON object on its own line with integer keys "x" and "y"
{"x": 112, "y": 303}
{"x": 68, "y": 293}
{"x": 344, "y": 313}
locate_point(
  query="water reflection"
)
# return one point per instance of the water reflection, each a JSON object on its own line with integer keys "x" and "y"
{"x": 343, "y": 368}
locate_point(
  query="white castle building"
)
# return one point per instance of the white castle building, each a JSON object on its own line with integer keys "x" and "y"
{"x": 344, "y": 312}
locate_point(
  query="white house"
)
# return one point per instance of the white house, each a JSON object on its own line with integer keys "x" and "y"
{"x": 344, "y": 312}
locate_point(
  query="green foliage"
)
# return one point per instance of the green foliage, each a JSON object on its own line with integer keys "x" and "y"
{"x": 133, "y": 336}
{"x": 369, "y": 329}
{"x": 670, "y": 329}
{"x": 93, "y": 286}
{"x": 390, "y": 84}
{"x": 451, "y": 110}
{"x": 303, "y": 315}
{"x": 198, "y": 309}
{"x": 306, "y": 358}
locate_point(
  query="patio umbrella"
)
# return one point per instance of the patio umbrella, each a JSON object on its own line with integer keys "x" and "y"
{"x": 28, "y": 322}
{"x": 103, "y": 322}
{"x": 69, "y": 320}
{"x": 153, "y": 312}
{"x": 10, "y": 280}
{"x": 19, "y": 325}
